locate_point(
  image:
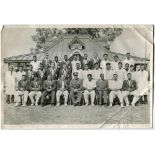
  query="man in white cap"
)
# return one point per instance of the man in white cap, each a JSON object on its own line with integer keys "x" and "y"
{"x": 115, "y": 86}
{"x": 89, "y": 86}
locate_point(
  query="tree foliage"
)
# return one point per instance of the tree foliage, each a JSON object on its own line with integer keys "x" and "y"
{"x": 45, "y": 36}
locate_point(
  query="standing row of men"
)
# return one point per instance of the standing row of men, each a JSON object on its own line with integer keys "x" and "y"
{"x": 99, "y": 79}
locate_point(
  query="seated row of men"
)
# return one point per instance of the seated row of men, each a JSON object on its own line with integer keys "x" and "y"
{"x": 75, "y": 89}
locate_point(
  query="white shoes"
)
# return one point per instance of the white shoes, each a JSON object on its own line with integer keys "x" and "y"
{"x": 17, "y": 104}
{"x": 110, "y": 105}
{"x": 24, "y": 105}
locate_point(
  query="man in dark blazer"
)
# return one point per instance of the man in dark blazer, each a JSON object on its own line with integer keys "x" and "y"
{"x": 62, "y": 89}
{"x": 52, "y": 71}
{"x": 129, "y": 88}
{"x": 49, "y": 88}
{"x": 35, "y": 88}
{"x": 102, "y": 87}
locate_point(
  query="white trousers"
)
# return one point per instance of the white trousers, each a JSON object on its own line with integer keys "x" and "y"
{"x": 135, "y": 94}
{"x": 36, "y": 94}
{"x": 18, "y": 94}
{"x": 117, "y": 93}
{"x": 86, "y": 95}
{"x": 59, "y": 93}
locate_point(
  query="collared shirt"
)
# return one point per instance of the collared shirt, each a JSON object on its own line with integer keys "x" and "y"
{"x": 108, "y": 74}
{"x": 120, "y": 73}
{"x": 115, "y": 84}
{"x": 89, "y": 84}
{"x": 74, "y": 64}
{"x": 35, "y": 65}
{"x": 102, "y": 84}
{"x": 114, "y": 65}
{"x": 96, "y": 73}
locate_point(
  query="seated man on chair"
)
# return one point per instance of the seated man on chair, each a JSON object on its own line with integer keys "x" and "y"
{"x": 62, "y": 89}
{"x": 35, "y": 90}
{"x": 129, "y": 88}
{"x": 21, "y": 94}
{"x": 49, "y": 87}
{"x": 89, "y": 86}
{"x": 102, "y": 86}
{"x": 115, "y": 85}
{"x": 76, "y": 86}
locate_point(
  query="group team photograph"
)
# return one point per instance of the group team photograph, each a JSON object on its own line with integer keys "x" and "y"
{"x": 76, "y": 75}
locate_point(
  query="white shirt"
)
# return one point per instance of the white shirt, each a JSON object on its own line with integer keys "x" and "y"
{"x": 89, "y": 84}
{"x": 85, "y": 73}
{"x": 63, "y": 85}
{"x": 96, "y": 73}
{"x": 142, "y": 80}
{"x": 109, "y": 74}
{"x": 130, "y": 62}
{"x": 80, "y": 73}
{"x": 19, "y": 75}
{"x": 35, "y": 65}
{"x": 115, "y": 84}
{"x": 114, "y": 65}
{"x": 103, "y": 64}
{"x": 125, "y": 74}
{"x": 120, "y": 73}
{"x": 73, "y": 63}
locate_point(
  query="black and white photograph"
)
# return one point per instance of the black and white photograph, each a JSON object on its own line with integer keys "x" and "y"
{"x": 77, "y": 76}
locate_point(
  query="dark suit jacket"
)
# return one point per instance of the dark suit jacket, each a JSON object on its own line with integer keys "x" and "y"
{"x": 37, "y": 85}
{"x": 101, "y": 85}
{"x": 54, "y": 75}
{"x": 92, "y": 63}
{"x": 42, "y": 74}
{"x": 28, "y": 75}
{"x": 46, "y": 63}
{"x": 66, "y": 84}
{"x": 23, "y": 85}
{"x": 49, "y": 85}
{"x": 76, "y": 84}
{"x": 132, "y": 86}
{"x": 68, "y": 73}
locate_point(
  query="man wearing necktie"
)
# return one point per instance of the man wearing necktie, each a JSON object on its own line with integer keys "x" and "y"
{"x": 129, "y": 88}
{"x": 49, "y": 89}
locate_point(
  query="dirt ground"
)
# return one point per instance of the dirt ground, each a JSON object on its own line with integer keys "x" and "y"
{"x": 76, "y": 115}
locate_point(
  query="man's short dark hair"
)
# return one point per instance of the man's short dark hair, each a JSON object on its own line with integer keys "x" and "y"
{"x": 107, "y": 64}
{"x": 115, "y": 56}
{"x": 120, "y": 62}
{"x": 105, "y": 54}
